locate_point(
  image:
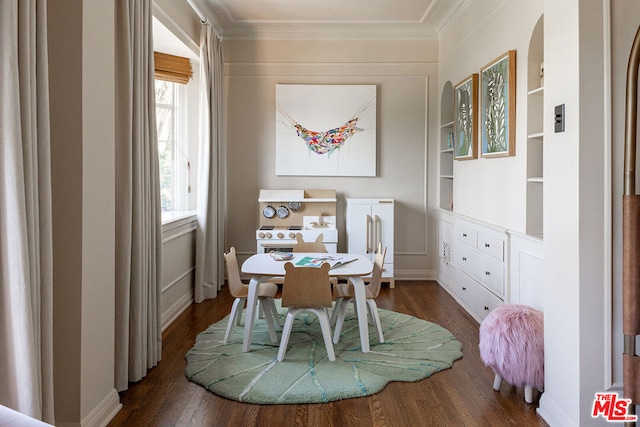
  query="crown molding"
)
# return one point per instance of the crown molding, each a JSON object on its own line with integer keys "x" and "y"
{"x": 328, "y": 31}
{"x": 438, "y": 16}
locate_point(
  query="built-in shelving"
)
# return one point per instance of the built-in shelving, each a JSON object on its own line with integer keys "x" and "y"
{"x": 535, "y": 131}
{"x": 446, "y": 148}
{"x": 537, "y": 91}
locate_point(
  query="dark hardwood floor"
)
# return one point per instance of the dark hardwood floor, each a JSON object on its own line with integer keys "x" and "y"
{"x": 460, "y": 396}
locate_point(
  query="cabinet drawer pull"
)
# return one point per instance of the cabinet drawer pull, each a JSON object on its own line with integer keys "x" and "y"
{"x": 464, "y": 234}
{"x": 486, "y": 245}
{"x": 487, "y": 273}
{"x": 486, "y": 308}
{"x": 464, "y": 289}
{"x": 464, "y": 258}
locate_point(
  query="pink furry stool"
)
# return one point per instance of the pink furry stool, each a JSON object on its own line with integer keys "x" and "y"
{"x": 512, "y": 344}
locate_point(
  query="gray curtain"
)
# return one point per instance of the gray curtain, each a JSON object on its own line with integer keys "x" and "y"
{"x": 138, "y": 216}
{"x": 211, "y": 182}
{"x": 26, "y": 258}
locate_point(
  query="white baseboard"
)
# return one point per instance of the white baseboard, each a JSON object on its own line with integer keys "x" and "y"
{"x": 553, "y": 414}
{"x": 408, "y": 274}
{"x": 102, "y": 414}
{"x": 176, "y": 310}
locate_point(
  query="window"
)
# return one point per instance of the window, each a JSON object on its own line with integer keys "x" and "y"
{"x": 177, "y": 126}
{"x": 167, "y": 113}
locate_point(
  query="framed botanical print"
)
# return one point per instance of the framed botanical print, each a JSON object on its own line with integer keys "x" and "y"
{"x": 498, "y": 106}
{"x": 465, "y": 118}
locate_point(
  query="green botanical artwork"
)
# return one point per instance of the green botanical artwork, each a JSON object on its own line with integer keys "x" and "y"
{"x": 496, "y": 135}
{"x": 465, "y": 111}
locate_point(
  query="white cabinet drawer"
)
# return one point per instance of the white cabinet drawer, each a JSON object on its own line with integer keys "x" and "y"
{"x": 491, "y": 246}
{"x": 474, "y": 297}
{"x": 482, "y": 268}
{"x": 465, "y": 258}
{"x": 479, "y": 266}
{"x": 491, "y": 274}
{"x": 488, "y": 302}
{"x": 467, "y": 290}
{"x": 466, "y": 233}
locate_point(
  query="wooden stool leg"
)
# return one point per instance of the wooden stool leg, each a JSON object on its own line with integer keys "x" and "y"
{"x": 528, "y": 394}
{"x": 496, "y": 382}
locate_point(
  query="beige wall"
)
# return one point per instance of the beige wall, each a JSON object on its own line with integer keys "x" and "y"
{"x": 577, "y": 285}
{"x": 492, "y": 190}
{"x": 81, "y": 58}
{"x": 180, "y": 19}
{"x": 406, "y": 74}
{"x": 65, "y": 76}
{"x": 178, "y": 268}
{"x": 82, "y": 88}
{"x": 579, "y": 357}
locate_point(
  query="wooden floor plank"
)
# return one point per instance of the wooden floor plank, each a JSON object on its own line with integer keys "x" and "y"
{"x": 460, "y": 396}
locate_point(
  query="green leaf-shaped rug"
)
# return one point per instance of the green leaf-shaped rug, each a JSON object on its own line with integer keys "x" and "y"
{"x": 413, "y": 349}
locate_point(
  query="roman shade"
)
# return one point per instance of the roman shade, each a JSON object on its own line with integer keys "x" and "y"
{"x": 176, "y": 69}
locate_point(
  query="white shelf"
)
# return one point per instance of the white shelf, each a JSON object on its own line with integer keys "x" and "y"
{"x": 280, "y": 196}
{"x": 445, "y": 167}
{"x": 535, "y": 137}
{"x": 537, "y": 91}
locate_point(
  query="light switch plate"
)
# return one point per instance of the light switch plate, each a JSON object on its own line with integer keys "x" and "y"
{"x": 559, "y": 118}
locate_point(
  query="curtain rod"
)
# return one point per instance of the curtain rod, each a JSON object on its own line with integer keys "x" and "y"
{"x": 196, "y": 9}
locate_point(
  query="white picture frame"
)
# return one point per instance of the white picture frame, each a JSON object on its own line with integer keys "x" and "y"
{"x": 326, "y": 130}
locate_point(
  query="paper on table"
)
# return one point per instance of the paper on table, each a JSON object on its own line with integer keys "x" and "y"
{"x": 334, "y": 261}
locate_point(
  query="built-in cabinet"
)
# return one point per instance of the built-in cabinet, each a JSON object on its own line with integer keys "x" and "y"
{"x": 480, "y": 254}
{"x": 526, "y": 264}
{"x": 479, "y": 257}
{"x": 535, "y": 134}
{"x": 446, "y": 270}
{"x": 446, "y": 148}
{"x": 369, "y": 221}
{"x": 483, "y": 265}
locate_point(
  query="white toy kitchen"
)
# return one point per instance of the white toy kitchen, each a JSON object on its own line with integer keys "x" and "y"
{"x": 283, "y": 213}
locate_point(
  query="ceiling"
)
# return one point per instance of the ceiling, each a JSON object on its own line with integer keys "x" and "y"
{"x": 331, "y": 19}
